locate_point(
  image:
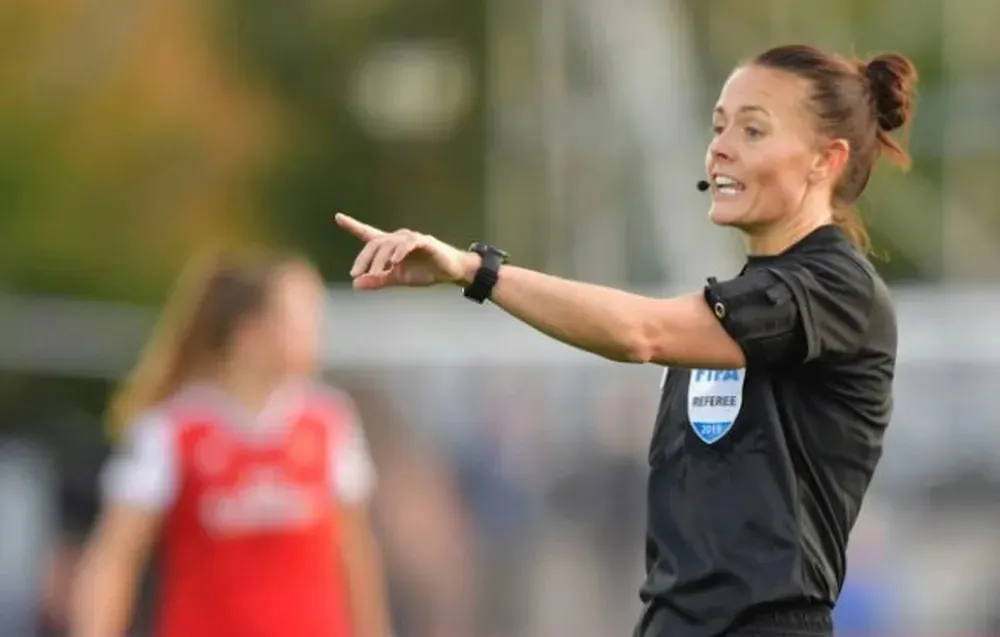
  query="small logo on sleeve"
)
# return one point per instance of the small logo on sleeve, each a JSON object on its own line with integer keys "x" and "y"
{"x": 715, "y": 397}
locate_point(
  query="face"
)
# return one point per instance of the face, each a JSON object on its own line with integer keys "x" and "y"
{"x": 764, "y": 152}
{"x": 294, "y": 320}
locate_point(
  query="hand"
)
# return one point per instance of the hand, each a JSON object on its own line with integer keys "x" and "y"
{"x": 405, "y": 258}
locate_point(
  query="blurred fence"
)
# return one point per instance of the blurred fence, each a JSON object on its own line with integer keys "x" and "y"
{"x": 522, "y": 461}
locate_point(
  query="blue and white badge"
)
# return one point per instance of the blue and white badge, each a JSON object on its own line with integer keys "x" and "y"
{"x": 715, "y": 397}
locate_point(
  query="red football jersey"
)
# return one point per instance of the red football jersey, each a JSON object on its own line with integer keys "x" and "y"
{"x": 249, "y": 543}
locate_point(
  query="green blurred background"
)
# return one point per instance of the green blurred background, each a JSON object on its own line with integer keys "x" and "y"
{"x": 133, "y": 132}
{"x": 571, "y": 132}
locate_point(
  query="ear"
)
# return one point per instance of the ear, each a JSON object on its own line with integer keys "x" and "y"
{"x": 830, "y": 161}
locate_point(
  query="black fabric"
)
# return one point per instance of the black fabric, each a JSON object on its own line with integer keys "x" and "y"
{"x": 794, "y": 308}
{"x": 79, "y": 500}
{"x": 757, "y": 475}
{"x": 780, "y": 620}
{"x": 795, "y": 620}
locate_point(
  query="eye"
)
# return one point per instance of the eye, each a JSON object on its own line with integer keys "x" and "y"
{"x": 717, "y": 129}
{"x": 753, "y": 132}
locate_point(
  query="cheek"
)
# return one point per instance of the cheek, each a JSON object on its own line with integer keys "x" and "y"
{"x": 302, "y": 333}
{"x": 782, "y": 181}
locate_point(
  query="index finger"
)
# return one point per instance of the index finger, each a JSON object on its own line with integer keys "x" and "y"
{"x": 360, "y": 230}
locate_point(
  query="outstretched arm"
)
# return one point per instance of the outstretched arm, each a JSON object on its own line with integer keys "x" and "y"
{"x": 681, "y": 331}
{"x": 618, "y": 325}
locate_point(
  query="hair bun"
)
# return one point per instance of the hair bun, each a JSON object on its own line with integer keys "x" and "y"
{"x": 892, "y": 78}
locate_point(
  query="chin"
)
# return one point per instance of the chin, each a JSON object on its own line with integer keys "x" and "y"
{"x": 727, "y": 214}
{"x": 299, "y": 366}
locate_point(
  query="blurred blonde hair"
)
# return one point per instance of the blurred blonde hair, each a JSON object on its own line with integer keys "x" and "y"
{"x": 217, "y": 291}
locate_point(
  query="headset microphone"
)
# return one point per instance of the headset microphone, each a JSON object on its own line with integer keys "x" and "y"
{"x": 703, "y": 185}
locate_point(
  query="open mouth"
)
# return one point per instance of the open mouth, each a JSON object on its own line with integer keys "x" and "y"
{"x": 725, "y": 185}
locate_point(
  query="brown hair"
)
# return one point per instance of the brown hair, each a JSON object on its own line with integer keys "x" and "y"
{"x": 860, "y": 101}
{"x": 213, "y": 296}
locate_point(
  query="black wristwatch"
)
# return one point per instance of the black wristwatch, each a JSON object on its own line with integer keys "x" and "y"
{"x": 487, "y": 274}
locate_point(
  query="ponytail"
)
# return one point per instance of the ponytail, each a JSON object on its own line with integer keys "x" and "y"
{"x": 211, "y": 298}
{"x": 850, "y": 222}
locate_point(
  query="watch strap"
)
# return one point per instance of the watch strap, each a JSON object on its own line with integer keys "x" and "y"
{"x": 487, "y": 275}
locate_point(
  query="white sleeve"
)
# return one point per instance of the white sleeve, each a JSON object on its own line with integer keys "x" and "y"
{"x": 353, "y": 472}
{"x": 143, "y": 470}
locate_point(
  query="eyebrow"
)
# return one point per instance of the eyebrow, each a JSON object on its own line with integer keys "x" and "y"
{"x": 750, "y": 108}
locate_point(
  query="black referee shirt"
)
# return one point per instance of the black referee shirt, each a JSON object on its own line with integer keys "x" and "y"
{"x": 757, "y": 475}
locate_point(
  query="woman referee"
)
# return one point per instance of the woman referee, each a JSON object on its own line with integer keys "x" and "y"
{"x": 779, "y": 387}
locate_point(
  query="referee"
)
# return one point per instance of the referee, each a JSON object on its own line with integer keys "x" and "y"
{"x": 779, "y": 381}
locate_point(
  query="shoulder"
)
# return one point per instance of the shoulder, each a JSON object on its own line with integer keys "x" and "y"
{"x": 838, "y": 265}
{"x": 352, "y": 474}
{"x": 330, "y": 404}
{"x": 153, "y": 429}
{"x": 831, "y": 277}
{"x": 818, "y": 300}
{"x": 141, "y": 471}
{"x": 844, "y": 302}
{"x": 166, "y": 425}
{"x": 331, "y": 400}
{"x": 196, "y": 403}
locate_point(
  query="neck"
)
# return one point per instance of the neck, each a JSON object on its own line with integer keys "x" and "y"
{"x": 778, "y": 237}
{"x": 252, "y": 391}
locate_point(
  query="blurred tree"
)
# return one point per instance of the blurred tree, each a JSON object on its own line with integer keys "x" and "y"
{"x": 123, "y": 144}
{"x": 309, "y": 55}
{"x": 133, "y": 131}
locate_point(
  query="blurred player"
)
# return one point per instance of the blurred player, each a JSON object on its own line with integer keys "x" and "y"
{"x": 252, "y": 477}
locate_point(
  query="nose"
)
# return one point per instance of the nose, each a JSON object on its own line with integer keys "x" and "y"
{"x": 721, "y": 148}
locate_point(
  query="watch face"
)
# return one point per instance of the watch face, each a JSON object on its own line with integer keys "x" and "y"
{"x": 483, "y": 249}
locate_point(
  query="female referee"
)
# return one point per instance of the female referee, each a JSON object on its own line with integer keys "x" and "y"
{"x": 253, "y": 478}
{"x": 779, "y": 387}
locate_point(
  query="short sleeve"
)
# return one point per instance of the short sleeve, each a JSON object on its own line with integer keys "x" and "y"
{"x": 352, "y": 472}
{"x": 142, "y": 470}
{"x": 797, "y": 313}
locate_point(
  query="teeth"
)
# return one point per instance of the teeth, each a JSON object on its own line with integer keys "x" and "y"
{"x": 726, "y": 185}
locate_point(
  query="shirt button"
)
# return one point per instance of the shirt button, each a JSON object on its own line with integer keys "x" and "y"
{"x": 720, "y": 309}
